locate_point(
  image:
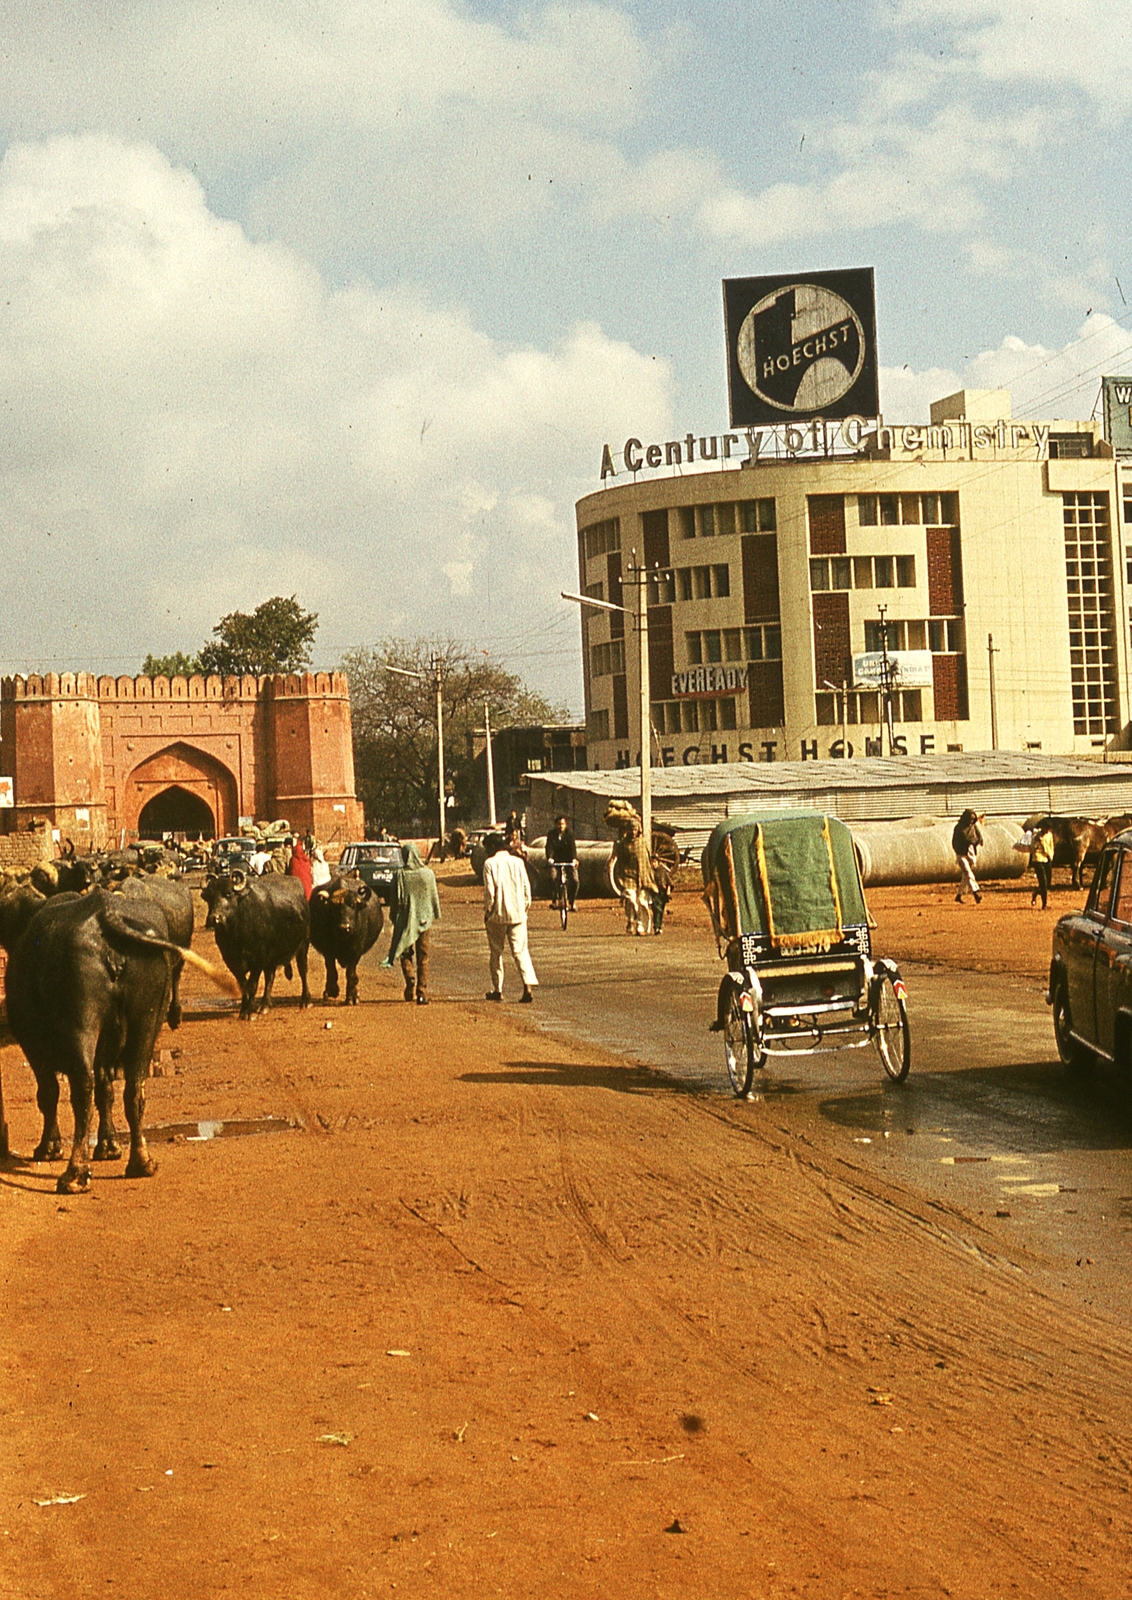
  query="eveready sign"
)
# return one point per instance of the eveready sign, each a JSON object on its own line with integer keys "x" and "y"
{"x": 702, "y": 683}
{"x": 957, "y": 440}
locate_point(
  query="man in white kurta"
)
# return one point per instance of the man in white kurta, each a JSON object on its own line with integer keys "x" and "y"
{"x": 506, "y": 900}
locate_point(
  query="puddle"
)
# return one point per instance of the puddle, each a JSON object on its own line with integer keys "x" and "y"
{"x": 237, "y": 1128}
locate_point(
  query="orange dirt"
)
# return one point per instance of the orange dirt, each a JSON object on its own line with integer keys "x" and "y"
{"x": 578, "y": 1331}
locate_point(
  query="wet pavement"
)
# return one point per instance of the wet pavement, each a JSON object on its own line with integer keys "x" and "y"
{"x": 988, "y": 1119}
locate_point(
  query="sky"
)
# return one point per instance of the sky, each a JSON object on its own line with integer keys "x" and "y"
{"x": 342, "y": 298}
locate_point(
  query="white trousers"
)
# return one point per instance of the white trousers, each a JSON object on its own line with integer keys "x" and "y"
{"x": 638, "y": 909}
{"x": 966, "y": 875}
{"x": 509, "y": 935}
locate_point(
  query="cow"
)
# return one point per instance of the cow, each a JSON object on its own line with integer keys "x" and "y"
{"x": 1077, "y": 842}
{"x": 260, "y": 924}
{"x": 88, "y": 985}
{"x": 346, "y": 921}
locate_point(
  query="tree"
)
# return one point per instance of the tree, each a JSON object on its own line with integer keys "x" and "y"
{"x": 276, "y": 637}
{"x": 395, "y": 721}
{"x": 178, "y": 665}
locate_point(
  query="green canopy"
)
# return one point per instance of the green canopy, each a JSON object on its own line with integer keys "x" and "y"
{"x": 790, "y": 875}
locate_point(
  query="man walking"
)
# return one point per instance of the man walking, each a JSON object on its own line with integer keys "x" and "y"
{"x": 965, "y": 841}
{"x": 416, "y": 906}
{"x": 506, "y": 900}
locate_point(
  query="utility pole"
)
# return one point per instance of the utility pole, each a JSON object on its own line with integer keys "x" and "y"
{"x": 491, "y": 817}
{"x": 440, "y": 747}
{"x": 887, "y": 677}
{"x": 991, "y": 653}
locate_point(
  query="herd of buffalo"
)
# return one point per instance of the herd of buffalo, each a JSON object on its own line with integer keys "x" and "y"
{"x": 96, "y": 947}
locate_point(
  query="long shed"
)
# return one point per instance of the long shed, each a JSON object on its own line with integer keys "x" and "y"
{"x": 693, "y": 799}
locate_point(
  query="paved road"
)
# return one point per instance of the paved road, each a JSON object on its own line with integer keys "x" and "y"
{"x": 988, "y": 1119}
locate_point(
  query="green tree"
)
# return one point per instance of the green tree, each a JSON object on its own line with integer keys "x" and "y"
{"x": 276, "y": 637}
{"x": 178, "y": 665}
{"x": 395, "y": 721}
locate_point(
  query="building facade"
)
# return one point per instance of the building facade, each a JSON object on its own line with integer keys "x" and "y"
{"x": 959, "y": 586}
{"x": 99, "y": 758}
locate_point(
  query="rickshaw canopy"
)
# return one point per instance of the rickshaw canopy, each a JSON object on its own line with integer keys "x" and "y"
{"x": 791, "y": 876}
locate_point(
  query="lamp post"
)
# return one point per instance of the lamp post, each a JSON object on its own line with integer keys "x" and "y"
{"x": 403, "y": 672}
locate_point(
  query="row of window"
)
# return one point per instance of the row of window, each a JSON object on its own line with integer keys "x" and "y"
{"x": 865, "y": 707}
{"x": 940, "y": 635}
{"x": 695, "y": 716}
{"x": 863, "y": 572}
{"x": 708, "y": 645}
{"x": 700, "y": 583}
{"x": 710, "y": 522}
{"x": 606, "y": 659}
{"x": 908, "y": 510}
{"x": 602, "y": 537}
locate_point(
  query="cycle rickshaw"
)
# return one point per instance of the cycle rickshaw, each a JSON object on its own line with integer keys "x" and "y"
{"x": 788, "y": 909}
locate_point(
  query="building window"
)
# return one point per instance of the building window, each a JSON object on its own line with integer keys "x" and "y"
{"x": 763, "y": 644}
{"x": 1128, "y": 504}
{"x": 862, "y": 707}
{"x": 694, "y": 716}
{"x": 862, "y": 572}
{"x": 1088, "y": 583}
{"x": 602, "y": 537}
{"x": 606, "y": 659}
{"x": 757, "y": 516}
{"x": 1070, "y": 446}
{"x": 716, "y": 521}
{"x": 922, "y": 510}
{"x": 594, "y": 591}
{"x": 597, "y": 726}
{"x": 703, "y": 583}
{"x": 937, "y": 634}
{"x": 709, "y": 645}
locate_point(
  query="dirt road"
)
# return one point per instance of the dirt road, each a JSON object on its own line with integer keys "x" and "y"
{"x": 513, "y": 1317}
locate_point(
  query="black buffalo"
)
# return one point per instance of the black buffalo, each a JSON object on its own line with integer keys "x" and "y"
{"x": 177, "y": 904}
{"x": 260, "y": 924}
{"x": 346, "y": 920}
{"x": 88, "y": 985}
{"x": 64, "y": 877}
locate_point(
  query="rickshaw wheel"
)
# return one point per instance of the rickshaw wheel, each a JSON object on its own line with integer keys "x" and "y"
{"x": 891, "y": 1035}
{"x": 739, "y": 1045}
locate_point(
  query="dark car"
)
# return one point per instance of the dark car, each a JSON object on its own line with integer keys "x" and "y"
{"x": 233, "y": 852}
{"x": 1090, "y": 975}
{"x": 376, "y": 862}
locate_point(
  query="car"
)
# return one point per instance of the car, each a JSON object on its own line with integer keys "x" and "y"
{"x": 376, "y": 862}
{"x": 1090, "y": 975}
{"x": 233, "y": 852}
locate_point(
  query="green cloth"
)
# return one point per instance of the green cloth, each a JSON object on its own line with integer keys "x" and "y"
{"x": 416, "y": 904}
{"x": 789, "y": 874}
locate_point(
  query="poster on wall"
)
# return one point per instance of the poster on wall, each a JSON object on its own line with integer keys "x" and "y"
{"x": 801, "y": 346}
{"x": 7, "y": 793}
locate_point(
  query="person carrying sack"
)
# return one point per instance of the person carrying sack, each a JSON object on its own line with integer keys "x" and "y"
{"x": 965, "y": 841}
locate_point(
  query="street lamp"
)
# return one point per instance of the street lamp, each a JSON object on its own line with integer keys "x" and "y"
{"x": 403, "y": 672}
{"x": 640, "y": 576}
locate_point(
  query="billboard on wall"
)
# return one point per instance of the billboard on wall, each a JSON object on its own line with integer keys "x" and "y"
{"x": 1118, "y": 414}
{"x": 801, "y": 346}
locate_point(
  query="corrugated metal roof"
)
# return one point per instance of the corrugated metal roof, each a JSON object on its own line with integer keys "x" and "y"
{"x": 774, "y": 778}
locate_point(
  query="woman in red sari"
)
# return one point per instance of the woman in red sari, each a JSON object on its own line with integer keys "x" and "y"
{"x": 301, "y": 867}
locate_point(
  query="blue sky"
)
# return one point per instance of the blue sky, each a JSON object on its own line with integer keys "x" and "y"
{"x": 342, "y": 299}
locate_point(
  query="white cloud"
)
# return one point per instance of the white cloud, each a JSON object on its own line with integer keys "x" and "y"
{"x": 1044, "y": 383}
{"x": 193, "y": 421}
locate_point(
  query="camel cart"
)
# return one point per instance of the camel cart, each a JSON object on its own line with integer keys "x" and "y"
{"x": 788, "y": 909}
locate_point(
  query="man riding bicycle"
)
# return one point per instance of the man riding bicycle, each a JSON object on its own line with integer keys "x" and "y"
{"x": 561, "y": 851}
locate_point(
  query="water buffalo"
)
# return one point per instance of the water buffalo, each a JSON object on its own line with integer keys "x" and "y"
{"x": 1077, "y": 842}
{"x": 346, "y": 919}
{"x": 1115, "y": 825}
{"x": 260, "y": 924}
{"x": 177, "y": 904}
{"x": 88, "y": 984}
{"x": 64, "y": 877}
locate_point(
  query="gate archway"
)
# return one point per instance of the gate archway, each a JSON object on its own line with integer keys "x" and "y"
{"x": 176, "y": 810}
{"x": 181, "y": 789}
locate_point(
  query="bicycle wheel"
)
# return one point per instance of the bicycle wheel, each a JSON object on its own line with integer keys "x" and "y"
{"x": 891, "y": 1035}
{"x": 564, "y": 907}
{"x": 739, "y": 1045}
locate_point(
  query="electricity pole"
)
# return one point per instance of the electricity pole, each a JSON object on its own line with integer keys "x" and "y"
{"x": 991, "y": 653}
{"x": 491, "y": 817}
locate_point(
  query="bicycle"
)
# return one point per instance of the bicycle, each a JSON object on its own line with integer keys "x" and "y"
{"x": 560, "y": 894}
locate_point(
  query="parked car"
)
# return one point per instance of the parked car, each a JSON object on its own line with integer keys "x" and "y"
{"x": 376, "y": 862}
{"x": 1090, "y": 975}
{"x": 232, "y": 852}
